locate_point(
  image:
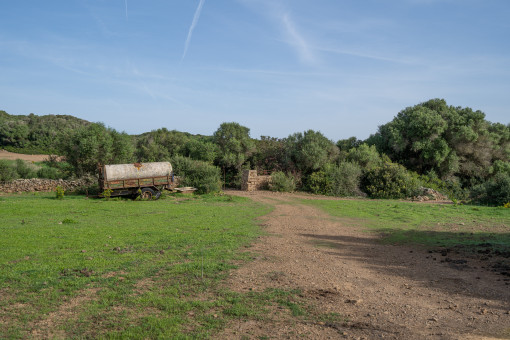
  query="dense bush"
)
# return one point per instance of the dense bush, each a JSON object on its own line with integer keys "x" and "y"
{"x": 365, "y": 156}
{"x": 282, "y": 182}
{"x": 7, "y": 172}
{"x": 87, "y": 147}
{"x": 25, "y": 170}
{"x": 345, "y": 179}
{"x": 198, "y": 174}
{"x": 49, "y": 173}
{"x": 21, "y": 169}
{"x": 389, "y": 180}
{"x": 319, "y": 183}
{"x": 336, "y": 180}
{"x": 496, "y": 191}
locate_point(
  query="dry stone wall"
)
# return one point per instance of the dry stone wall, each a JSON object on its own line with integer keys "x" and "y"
{"x": 251, "y": 181}
{"x": 37, "y": 184}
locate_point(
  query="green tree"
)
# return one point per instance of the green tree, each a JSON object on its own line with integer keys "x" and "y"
{"x": 439, "y": 140}
{"x": 202, "y": 150}
{"x": 235, "y": 145}
{"x": 311, "y": 150}
{"x": 161, "y": 144}
{"x": 272, "y": 154}
{"x": 89, "y": 146}
{"x": 365, "y": 156}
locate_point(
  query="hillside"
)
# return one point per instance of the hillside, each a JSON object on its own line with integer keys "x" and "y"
{"x": 35, "y": 134}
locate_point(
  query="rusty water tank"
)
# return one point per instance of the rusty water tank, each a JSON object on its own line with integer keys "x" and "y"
{"x": 115, "y": 172}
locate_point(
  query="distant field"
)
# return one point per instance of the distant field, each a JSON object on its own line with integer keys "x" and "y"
{"x": 124, "y": 269}
{"x": 4, "y": 154}
{"x": 444, "y": 225}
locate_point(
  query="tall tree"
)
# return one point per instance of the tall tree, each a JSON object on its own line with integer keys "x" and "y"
{"x": 95, "y": 144}
{"x": 434, "y": 138}
{"x": 235, "y": 145}
{"x": 311, "y": 150}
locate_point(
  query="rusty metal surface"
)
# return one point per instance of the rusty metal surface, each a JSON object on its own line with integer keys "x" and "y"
{"x": 117, "y": 172}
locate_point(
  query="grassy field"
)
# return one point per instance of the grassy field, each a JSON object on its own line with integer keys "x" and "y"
{"x": 125, "y": 269}
{"x": 444, "y": 225}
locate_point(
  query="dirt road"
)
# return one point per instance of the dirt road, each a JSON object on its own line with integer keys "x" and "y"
{"x": 380, "y": 291}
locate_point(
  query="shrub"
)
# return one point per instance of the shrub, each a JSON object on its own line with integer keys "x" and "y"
{"x": 495, "y": 191}
{"x": 49, "y": 173}
{"x": 59, "y": 193}
{"x": 7, "y": 172}
{"x": 336, "y": 180}
{"x": 198, "y": 174}
{"x": 282, "y": 182}
{"x": 345, "y": 179}
{"x": 389, "y": 180}
{"x": 107, "y": 193}
{"x": 319, "y": 183}
{"x": 24, "y": 170}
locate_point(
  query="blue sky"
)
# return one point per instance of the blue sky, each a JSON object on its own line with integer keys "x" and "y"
{"x": 341, "y": 67}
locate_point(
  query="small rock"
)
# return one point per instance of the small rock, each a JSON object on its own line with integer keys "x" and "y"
{"x": 83, "y": 251}
{"x": 433, "y": 319}
{"x": 354, "y": 301}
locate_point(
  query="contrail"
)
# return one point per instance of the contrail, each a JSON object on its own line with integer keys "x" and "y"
{"x": 193, "y": 24}
{"x": 126, "y": 10}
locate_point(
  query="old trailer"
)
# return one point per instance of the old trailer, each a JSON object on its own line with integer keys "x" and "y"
{"x": 139, "y": 179}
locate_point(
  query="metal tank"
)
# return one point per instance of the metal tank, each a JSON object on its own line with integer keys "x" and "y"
{"x": 116, "y": 172}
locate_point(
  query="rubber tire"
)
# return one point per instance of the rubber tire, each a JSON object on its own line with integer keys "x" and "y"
{"x": 148, "y": 194}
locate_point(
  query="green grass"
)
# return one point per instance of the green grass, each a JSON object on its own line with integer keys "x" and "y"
{"x": 125, "y": 269}
{"x": 443, "y": 225}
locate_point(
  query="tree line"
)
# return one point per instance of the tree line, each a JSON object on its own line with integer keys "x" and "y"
{"x": 454, "y": 150}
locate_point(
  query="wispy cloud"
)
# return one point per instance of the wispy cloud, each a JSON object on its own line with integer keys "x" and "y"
{"x": 297, "y": 40}
{"x": 192, "y": 27}
{"x": 125, "y": 1}
{"x": 369, "y": 55}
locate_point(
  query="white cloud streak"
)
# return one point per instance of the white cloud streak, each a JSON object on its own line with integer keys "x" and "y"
{"x": 192, "y": 27}
{"x": 125, "y": 1}
{"x": 297, "y": 40}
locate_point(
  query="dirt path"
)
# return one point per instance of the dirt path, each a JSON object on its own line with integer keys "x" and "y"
{"x": 383, "y": 291}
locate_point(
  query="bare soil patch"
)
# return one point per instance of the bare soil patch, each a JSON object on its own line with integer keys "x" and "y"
{"x": 380, "y": 290}
{"x": 49, "y": 327}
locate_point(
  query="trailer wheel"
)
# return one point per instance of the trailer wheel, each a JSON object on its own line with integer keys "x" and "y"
{"x": 147, "y": 194}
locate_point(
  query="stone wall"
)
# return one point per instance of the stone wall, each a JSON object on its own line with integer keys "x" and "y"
{"x": 37, "y": 184}
{"x": 251, "y": 181}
